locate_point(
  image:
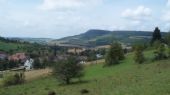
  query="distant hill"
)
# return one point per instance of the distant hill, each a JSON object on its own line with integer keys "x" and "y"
{"x": 13, "y": 46}
{"x": 32, "y": 40}
{"x": 96, "y": 37}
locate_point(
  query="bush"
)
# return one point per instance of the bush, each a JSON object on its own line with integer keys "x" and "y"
{"x": 167, "y": 39}
{"x": 160, "y": 52}
{"x": 139, "y": 56}
{"x": 169, "y": 52}
{"x": 14, "y": 79}
{"x": 67, "y": 69}
{"x": 114, "y": 55}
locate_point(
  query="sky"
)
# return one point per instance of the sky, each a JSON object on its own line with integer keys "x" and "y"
{"x": 61, "y": 18}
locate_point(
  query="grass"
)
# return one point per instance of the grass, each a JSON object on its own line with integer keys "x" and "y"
{"x": 7, "y": 46}
{"x": 127, "y": 78}
{"x": 13, "y": 47}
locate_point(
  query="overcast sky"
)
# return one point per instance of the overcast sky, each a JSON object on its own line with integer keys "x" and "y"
{"x": 60, "y": 18}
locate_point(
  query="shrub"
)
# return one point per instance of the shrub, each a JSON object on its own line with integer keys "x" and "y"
{"x": 169, "y": 52}
{"x": 67, "y": 69}
{"x": 167, "y": 39}
{"x": 84, "y": 91}
{"x": 160, "y": 52}
{"x": 139, "y": 56}
{"x": 114, "y": 55}
{"x": 13, "y": 79}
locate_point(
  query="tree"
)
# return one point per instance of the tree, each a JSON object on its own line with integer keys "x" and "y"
{"x": 139, "y": 56}
{"x": 156, "y": 44}
{"x": 156, "y": 35}
{"x": 114, "y": 55}
{"x": 67, "y": 69}
{"x": 160, "y": 52}
{"x": 167, "y": 39}
{"x": 169, "y": 52}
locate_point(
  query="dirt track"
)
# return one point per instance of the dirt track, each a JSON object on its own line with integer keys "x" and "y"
{"x": 29, "y": 75}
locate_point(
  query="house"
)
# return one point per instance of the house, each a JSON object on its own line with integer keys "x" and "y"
{"x": 82, "y": 62}
{"x": 18, "y": 57}
{"x": 99, "y": 56}
{"x": 3, "y": 55}
{"x": 28, "y": 65}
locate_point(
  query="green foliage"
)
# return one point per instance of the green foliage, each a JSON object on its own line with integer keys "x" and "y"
{"x": 67, "y": 69}
{"x": 13, "y": 79}
{"x": 167, "y": 39}
{"x": 169, "y": 52}
{"x": 156, "y": 35}
{"x": 5, "y": 64}
{"x": 114, "y": 55}
{"x": 156, "y": 44}
{"x": 101, "y": 51}
{"x": 91, "y": 54}
{"x": 160, "y": 52}
{"x": 39, "y": 64}
{"x": 139, "y": 56}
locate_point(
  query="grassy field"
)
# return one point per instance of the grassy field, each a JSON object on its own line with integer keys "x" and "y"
{"x": 127, "y": 78}
{"x": 8, "y": 46}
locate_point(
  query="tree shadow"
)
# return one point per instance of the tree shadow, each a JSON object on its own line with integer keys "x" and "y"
{"x": 75, "y": 83}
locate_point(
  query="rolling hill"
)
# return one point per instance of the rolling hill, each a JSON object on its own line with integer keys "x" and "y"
{"x": 32, "y": 40}
{"x": 13, "y": 46}
{"x": 96, "y": 37}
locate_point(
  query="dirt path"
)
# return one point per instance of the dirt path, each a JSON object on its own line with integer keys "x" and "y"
{"x": 30, "y": 75}
{"x": 95, "y": 62}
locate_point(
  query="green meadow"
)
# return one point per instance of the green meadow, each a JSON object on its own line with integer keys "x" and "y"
{"x": 126, "y": 78}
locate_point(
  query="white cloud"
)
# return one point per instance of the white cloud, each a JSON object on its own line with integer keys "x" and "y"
{"x": 59, "y": 4}
{"x": 136, "y": 22}
{"x": 66, "y": 4}
{"x": 168, "y": 3}
{"x": 139, "y": 13}
{"x": 166, "y": 16}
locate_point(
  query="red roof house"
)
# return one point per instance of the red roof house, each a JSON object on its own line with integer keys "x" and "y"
{"x": 18, "y": 57}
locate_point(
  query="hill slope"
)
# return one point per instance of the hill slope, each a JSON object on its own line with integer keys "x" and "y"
{"x": 104, "y": 37}
{"x": 33, "y": 40}
{"x": 13, "y": 46}
{"x": 127, "y": 78}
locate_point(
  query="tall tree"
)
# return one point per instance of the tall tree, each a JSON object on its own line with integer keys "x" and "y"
{"x": 156, "y": 35}
{"x": 114, "y": 55}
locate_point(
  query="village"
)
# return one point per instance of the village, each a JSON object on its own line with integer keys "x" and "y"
{"x": 84, "y": 47}
{"x": 23, "y": 62}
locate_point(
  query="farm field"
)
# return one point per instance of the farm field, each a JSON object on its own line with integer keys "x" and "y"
{"x": 127, "y": 78}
